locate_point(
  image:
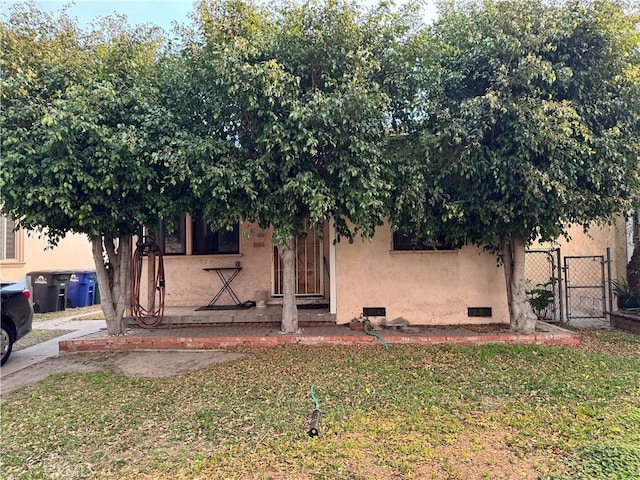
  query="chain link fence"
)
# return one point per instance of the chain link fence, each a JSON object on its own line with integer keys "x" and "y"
{"x": 543, "y": 282}
{"x": 585, "y": 286}
{"x": 560, "y": 288}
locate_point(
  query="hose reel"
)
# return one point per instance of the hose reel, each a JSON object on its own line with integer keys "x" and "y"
{"x": 152, "y": 315}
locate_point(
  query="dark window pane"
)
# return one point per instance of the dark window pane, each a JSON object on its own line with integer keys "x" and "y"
{"x": 173, "y": 238}
{"x": 207, "y": 242}
{"x": 413, "y": 242}
{"x": 228, "y": 240}
{"x": 8, "y": 239}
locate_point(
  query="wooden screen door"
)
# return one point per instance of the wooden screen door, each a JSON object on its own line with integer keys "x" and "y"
{"x": 309, "y": 278}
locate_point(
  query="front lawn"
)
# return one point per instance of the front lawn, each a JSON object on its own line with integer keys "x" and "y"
{"x": 521, "y": 412}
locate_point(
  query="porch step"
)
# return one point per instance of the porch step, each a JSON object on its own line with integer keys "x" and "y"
{"x": 254, "y": 316}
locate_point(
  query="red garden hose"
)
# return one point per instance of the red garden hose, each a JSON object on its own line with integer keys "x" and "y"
{"x": 150, "y": 317}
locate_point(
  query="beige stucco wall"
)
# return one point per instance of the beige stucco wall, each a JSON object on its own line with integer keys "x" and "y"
{"x": 72, "y": 252}
{"x": 425, "y": 287}
{"x": 187, "y": 284}
{"x": 595, "y": 242}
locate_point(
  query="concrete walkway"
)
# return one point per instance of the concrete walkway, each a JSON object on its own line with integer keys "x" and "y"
{"x": 591, "y": 323}
{"x": 37, "y": 353}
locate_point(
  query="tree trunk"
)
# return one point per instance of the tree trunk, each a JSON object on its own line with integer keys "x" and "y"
{"x": 521, "y": 316}
{"x": 633, "y": 267}
{"x": 289, "y": 308}
{"x": 112, "y": 278}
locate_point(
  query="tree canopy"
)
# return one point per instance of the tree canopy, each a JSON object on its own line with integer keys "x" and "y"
{"x": 503, "y": 122}
{"x": 530, "y": 124}
{"x": 295, "y": 97}
{"x": 298, "y": 99}
{"x": 87, "y": 146}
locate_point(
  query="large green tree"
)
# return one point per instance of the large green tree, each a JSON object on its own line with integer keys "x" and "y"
{"x": 87, "y": 145}
{"x": 530, "y": 125}
{"x": 296, "y": 100}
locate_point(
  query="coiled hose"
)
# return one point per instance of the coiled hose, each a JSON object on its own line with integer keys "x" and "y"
{"x": 150, "y": 317}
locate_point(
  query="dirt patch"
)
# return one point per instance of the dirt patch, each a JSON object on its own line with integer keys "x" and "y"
{"x": 158, "y": 364}
{"x": 135, "y": 364}
{"x": 483, "y": 454}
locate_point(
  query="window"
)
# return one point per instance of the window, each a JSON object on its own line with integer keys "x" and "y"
{"x": 207, "y": 241}
{"x": 7, "y": 239}
{"x": 172, "y": 236}
{"x": 413, "y": 242}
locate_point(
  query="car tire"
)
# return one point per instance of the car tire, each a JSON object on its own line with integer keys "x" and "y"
{"x": 6, "y": 343}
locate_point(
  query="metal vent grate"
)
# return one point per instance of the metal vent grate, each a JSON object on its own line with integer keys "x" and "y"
{"x": 479, "y": 312}
{"x": 374, "y": 311}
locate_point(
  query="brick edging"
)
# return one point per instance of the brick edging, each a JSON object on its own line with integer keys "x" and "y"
{"x": 200, "y": 343}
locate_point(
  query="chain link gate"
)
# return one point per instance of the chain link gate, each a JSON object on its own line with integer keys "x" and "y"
{"x": 543, "y": 279}
{"x": 585, "y": 286}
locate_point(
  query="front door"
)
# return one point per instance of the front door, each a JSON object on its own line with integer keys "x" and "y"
{"x": 309, "y": 278}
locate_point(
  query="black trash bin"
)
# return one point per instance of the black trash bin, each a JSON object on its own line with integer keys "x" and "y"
{"x": 49, "y": 290}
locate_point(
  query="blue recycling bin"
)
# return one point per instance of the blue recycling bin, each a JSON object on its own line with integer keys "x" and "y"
{"x": 81, "y": 288}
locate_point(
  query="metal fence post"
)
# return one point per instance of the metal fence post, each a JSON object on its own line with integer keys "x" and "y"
{"x": 610, "y": 288}
{"x": 563, "y": 317}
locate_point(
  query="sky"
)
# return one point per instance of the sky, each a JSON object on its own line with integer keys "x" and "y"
{"x": 158, "y": 12}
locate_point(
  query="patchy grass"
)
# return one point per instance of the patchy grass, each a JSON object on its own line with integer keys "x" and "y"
{"x": 92, "y": 312}
{"x": 611, "y": 342}
{"x": 98, "y": 315}
{"x": 494, "y": 412}
{"x": 37, "y": 336}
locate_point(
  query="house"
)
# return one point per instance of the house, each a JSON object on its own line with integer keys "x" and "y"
{"x": 23, "y": 252}
{"x": 426, "y": 284}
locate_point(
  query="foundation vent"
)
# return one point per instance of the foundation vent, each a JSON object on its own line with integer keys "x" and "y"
{"x": 374, "y": 312}
{"x": 479, "y": 312}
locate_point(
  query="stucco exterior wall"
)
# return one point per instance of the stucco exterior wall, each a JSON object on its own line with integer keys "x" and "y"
{"x": 187, "y": 284}
{"x": 595, "y": 242}
{"x": 72, "y": 253}
{"x": 425, "y": 287}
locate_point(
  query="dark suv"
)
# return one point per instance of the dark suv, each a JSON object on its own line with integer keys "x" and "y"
{"x": 17, "y": 315}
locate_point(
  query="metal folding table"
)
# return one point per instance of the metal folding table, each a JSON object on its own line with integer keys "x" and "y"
{"x": 226, "y": 276}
